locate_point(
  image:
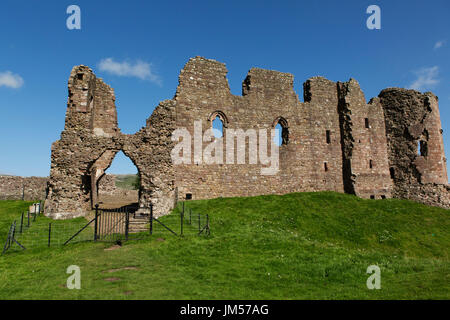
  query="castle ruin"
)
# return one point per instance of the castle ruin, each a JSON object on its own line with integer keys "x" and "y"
{"x": 334, "y": 140}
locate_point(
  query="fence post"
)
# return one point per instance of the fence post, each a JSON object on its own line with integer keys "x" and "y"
{"x": 151, "y": 218}
{"x": 21, "y": 223}
{"x": 96, "y": 222}
{"x": 182, "y": 218}
{"x": 127, "y": 224}
{"x": 8, "y": 240}
{"x": 40, "y": 207}
{"x": 49, "y": 233}
{"x": 28, "y": 215}
{"x": 34, "y": 214}
{"x": 14, "y": 230}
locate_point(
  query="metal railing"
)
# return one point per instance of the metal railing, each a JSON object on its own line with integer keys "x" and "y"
{"x": 107, "y": 225}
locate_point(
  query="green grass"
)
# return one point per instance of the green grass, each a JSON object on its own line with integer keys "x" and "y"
{"x": 127, "y": 181}
{"x": 35, "y": 232}
{"x": 296, "y": 246}
{"x": 10, "y": 210}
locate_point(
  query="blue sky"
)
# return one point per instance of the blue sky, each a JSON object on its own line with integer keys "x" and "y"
{"x": 139, "y": 47}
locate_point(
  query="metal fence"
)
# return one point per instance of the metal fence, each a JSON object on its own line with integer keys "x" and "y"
{"x": 33, "y": 230}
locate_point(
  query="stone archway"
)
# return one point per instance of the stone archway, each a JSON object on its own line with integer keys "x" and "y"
{"x": 104, "y": 190}
{"x": 90, "y": 141}
{"x": 97, "y": 171}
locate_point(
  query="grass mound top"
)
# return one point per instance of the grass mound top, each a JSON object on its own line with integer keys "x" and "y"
{"x": 294, "y": 246}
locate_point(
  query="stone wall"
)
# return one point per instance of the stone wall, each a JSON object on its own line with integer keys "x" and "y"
{"x": 329, "y": 146}
{"x": 34, "y": 188}
{"x": 107, "y": 185}
{"x": 111, "y": 196}
{"x": 415, "y": 146}
{"x": 333, "y": 140}
{"x": 26, "y": 188}
{"x": 90, "y": 141}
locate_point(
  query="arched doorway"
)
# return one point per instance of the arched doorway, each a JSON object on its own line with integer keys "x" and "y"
{"x": 115, "y": 181}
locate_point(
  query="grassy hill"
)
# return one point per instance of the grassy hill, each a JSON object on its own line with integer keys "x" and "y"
{"x": 295, "y": 246}
{"x": 127, "y": 181}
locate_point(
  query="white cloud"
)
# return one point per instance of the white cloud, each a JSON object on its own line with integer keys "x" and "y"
{"x": 140, "y": 69}
{"x": 10, "y": 80}
{"x": 426, "y": 78}
{"x": 439, "y": 44}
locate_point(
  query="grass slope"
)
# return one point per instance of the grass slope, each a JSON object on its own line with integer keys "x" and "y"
{"x": 295, "y": 246}
{"x": 126, "y": 181}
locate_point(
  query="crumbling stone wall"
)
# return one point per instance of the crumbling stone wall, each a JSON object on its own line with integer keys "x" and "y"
{"x": 366, "y": 168}
{"x": 333, "y": 140}
{"x": 415, "y": 146}
{"x": 107, "y": 185}
{"x": 325, "y": 132}
{"x": 26, "y": 188}
{"x": 111, "y": 196}
{"x": 90, "y": 141}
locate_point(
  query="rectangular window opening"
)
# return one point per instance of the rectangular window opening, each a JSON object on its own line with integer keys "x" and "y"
{"x": 328, "y": 136}
{"x": 188, "y": 196}
{"x": 325, "y": 166}
{"x": 366, "y": 122}
{"x": 422, "y": 148}
{"x": 392, "y": 172}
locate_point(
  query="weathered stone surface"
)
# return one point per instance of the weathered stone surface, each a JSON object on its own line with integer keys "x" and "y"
{"x": 26, "y": 188}
{"x": 415, "y": 146}
{"x": 90, "y": 141}
{"x": 34, "y": 188}
{"x": 334, "y": 140}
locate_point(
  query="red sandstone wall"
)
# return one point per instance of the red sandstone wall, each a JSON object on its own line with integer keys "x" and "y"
{"x": 397, "y": 120}
{"x": 411, "y": 117}
{"x": 366, "y": 139}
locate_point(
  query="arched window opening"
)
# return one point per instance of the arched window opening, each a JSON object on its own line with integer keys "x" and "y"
{"x": 278, "y": 140}
{"x": 281, "y": 131}
{"x": 217, "y": 125}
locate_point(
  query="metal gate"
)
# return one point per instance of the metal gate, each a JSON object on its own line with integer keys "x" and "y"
{"x": 112, "y": 225}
